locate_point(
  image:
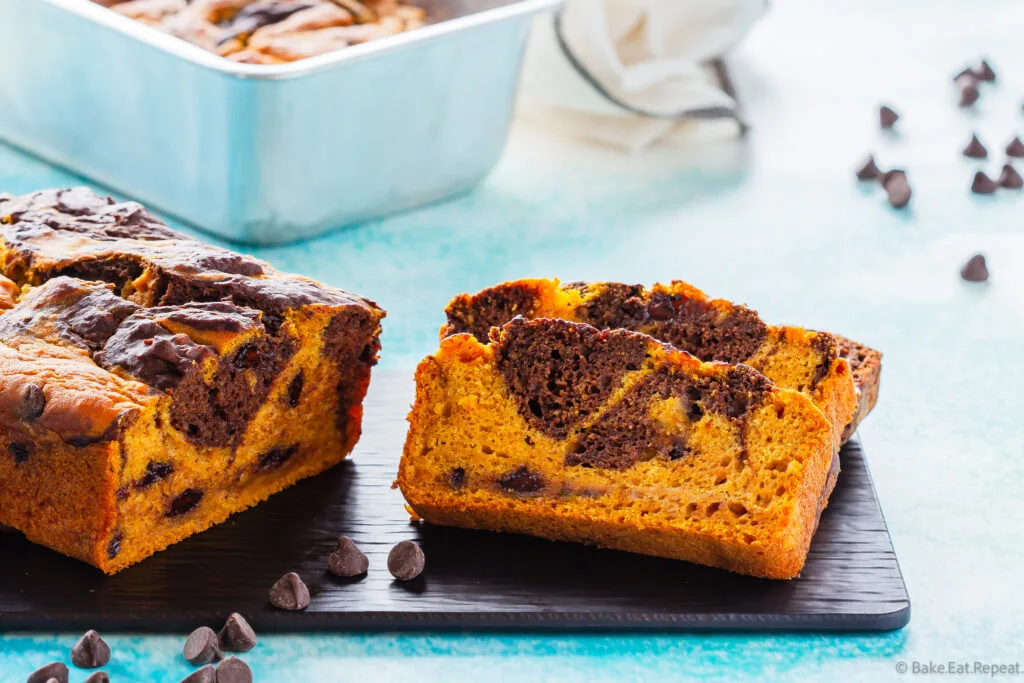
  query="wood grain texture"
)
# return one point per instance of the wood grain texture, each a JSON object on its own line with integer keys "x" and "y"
{"x": 473, "y": 581}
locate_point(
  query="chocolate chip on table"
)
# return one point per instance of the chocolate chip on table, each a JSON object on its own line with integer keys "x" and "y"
{"x": 887, "y": 117}
{"x": 983, "y": 184}
{"x": 897, "y": 188}
{"x": 90, "y": 652}
{"x": 1015, "y": 148}
{"x": 55, "y": 670}
{"x": 289, "y": 593}
{"x": 348, "y": 560}
{"x": 968, "y": 94}
{"x": 984, "y": 72}
{"x": 406, "y": 561}
{"x": 975, "y": 270}
{"x": 868, "y": 170}
{"x": 233, "y": 670}
{"x": 966, "y": 76}
{"x": 237, "y": 635}
{"x": 202, "y": 647}
{"x": 98, "y": 677}
{"x": 1010, "y": 178}
{"x": 205, "y": 675}
{"x": 975, "y": 149}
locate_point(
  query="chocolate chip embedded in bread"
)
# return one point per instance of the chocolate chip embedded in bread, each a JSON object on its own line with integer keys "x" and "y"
{"x": 44, "y": 674}
{"x": 185, "y": 503}
{"x": 868, "y": 170}
{"x": 205, "y": 675}
{"x": 237, "y": 635}
{"x": 202, "y": 647}
{"x": 295, "y": 389}
{"x": 90, "y": 652}
{"x": 1010, "y": 178}
{"x": 406, "y": 561}
{"x": 276, "y": 457}
{"x": 20, "y": 452}
{"x": 289, "y": 593}
{"x": 33, "y": 402}
{"x": 155, "y": 471}
{"x": 974, "y": 149}
{"x": 887, "y": 117}
{"x": 1015, "y": 148}
{"x": 457, "y": 477}
{"x": 348, "y": 560}
{"x": 114, "y": 545}
{"x": 521, "y": 480}
{"x": 983, "y": 184}
{"x": 233, "y": 670}
{"x": 975, "y": 270}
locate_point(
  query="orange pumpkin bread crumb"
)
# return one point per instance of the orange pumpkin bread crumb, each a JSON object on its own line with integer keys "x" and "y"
{"x": 562, "y": 431}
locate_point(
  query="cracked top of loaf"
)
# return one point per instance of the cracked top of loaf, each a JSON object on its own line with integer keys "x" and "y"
{"x": 108, "y": 309}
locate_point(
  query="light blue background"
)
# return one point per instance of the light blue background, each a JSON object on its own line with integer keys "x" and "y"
{"x": 776, "y": 221}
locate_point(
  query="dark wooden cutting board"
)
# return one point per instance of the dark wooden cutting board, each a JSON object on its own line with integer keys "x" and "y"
{"x": 474, "y": 580}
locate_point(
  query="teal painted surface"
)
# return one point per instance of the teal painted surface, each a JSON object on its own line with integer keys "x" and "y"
{"x": 776, "y": 221}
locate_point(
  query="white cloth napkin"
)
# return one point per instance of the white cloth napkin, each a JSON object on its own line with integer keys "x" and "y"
{"x": 628, "y": 73}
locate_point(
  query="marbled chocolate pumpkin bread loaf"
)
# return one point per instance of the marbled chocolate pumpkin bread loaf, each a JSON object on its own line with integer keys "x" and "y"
{"x": 152, "y": 385}
{"x": 563, "y": 431}
{"x": 684, "y": 316}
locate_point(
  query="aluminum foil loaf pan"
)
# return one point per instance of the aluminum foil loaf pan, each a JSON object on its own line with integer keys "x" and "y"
{"x": 265, "y": 153}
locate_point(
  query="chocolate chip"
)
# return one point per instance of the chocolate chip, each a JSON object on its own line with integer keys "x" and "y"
{"x": 966, "y": 76}
{"x": 205, "y": 675}
{"x": 155, "y": 471}
{"x": 185, "y": 503}
{"x": 98, "y": 677}
{"x": 289, "y": 593}
{"x": 661, "y": 308}
{"x": 984, "y": 72}
{"x": 348, "y": 560}
{"x": 457, "y": 477}
{"x": 1015, "y": 148}
{"x": 868, "y": 170}
{"x": 237, "y": 635}
{"x": 887, "y": 117}
{"x": 114, "y": 546}
{"x": 295, "y": 389}
{"x": 1010, "y": 178}
{"x": 406, "y": 561}
{"x": 56, "y": 670}
{"x": 521, "y": 480}
{"x": 276, "y": 457}
{"x": 975, "y": 149}
{"x": 975, "y": 270}
{"x": 202, "y": 647}
{"x": 890, "y": 176}
{"x": 983, "y": 184}
{"x": 968, "y": 94}
{"x": 20, "y": 452}
{"x": 90, "y": 652}
{"x": 233, "y": 670}
{"x": 32, "y": 403}
{"x": 898, "y": 190}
